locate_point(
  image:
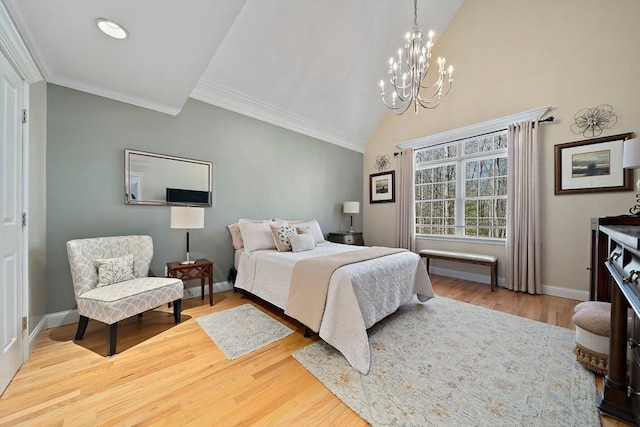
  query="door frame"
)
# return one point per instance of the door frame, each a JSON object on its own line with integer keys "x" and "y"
{"x": 14, "y": 48}
{"x": 25, "y": 228}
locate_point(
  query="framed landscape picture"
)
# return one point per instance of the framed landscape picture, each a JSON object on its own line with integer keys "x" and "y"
{"x": 592, "y": 166}
{"x": 382, "y": 187}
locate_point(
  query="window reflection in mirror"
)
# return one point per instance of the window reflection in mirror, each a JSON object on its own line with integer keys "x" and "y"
{"x": 148, "y": 175}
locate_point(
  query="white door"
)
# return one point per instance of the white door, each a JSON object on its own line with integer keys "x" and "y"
{"x": 11, "y": 181}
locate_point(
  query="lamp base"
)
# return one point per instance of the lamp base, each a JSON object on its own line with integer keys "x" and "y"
{"x": 188, "y": 261}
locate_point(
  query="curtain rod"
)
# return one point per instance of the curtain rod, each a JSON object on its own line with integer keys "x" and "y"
{"x": 547, "y": 120}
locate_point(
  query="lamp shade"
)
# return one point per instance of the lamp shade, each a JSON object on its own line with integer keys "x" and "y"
{"x": 631, "y": 153}
{"x": 187, "y": 217}
{"x": 351, "y": 207}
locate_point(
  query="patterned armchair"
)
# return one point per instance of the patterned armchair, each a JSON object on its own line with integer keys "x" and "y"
{"x": 110, "y": 282}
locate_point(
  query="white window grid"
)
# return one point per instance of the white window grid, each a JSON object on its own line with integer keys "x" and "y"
{"x": 459, "y": 154}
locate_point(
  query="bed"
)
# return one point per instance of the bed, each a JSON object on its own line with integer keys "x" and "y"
{"x": 358, "y": 294}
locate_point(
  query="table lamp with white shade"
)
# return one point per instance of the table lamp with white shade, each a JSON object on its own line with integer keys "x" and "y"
{"x": 631, "y": 160}
{"x": 188, "y": 218}
{"x": 351, "y": 208}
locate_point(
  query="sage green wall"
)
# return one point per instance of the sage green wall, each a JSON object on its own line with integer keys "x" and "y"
{"x": 261, "y": 171}
{"x": 37, "y": 202}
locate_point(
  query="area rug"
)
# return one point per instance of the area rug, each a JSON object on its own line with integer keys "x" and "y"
{"x": 241, "y": 330}
{"x": 449, "y": 363}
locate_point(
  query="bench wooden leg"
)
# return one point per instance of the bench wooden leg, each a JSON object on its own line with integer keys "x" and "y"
{"x": 426, "y": 261}
{"x": 494, "y": 276}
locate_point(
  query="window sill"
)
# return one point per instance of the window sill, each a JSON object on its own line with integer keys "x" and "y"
{"x": 477, "y": 240}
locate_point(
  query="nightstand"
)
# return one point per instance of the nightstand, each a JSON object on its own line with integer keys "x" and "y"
{"x": 347, "y": 238}
{"x": 201, "y": 269}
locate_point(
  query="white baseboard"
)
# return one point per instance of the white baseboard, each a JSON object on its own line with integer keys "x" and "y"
{"x": 68, "y": 317}
{"x": 62, "y": 318}
{"x": 194, "y": 291}
{"x": 485, "y": 278}
{"x": 565, "y": 293}
{"x": 34, "y": 336}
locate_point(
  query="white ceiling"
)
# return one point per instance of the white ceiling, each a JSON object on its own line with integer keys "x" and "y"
{"x": 312, "y": 66}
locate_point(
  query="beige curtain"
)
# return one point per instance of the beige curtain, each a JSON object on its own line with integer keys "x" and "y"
{"x": 405, "y": 224}
{"x": 523, "y": 210}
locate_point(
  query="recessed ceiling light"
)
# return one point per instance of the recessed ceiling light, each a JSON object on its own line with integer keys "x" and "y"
{"x": 112, "y": 29}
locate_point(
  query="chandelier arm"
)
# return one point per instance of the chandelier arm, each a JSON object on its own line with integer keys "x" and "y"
{"x": 437, "y": 83}
{"x": 429, "y": 103}
{"x": 398, "y": 109}
{"x": 435, "y": 92}
{"x": 396, "y": 86}
{"x": 401, "y": 110}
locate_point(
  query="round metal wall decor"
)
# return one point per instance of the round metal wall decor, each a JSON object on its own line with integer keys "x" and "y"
{"x": 590, "y": 122}
{"x": 382, "y": 162}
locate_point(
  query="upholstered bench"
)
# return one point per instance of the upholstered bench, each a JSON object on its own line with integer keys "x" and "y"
{"x": 488, "y": 260}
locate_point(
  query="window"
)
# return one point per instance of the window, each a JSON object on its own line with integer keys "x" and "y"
{"x": 461, "y": 187}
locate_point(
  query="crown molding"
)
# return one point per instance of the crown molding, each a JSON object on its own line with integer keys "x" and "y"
{"x": 14, "y": 48}
{"x": 117, "y": 96}
{"x": 473, "y": 130}
{"x": 221, "y": 96}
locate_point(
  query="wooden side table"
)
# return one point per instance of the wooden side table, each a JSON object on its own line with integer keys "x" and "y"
{"x": 201, "y": 269}
{"x": 347, "y": 238}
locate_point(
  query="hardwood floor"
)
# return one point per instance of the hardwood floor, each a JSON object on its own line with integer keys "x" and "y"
{"x": 166, "y": 374}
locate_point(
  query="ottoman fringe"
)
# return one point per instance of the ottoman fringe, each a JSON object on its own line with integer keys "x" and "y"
{"x": 592, "y": 360}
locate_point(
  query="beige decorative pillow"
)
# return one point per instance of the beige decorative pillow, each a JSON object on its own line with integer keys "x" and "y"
{"x": 114, "y": 270}
{"x": 281, "y": 234}
{"x": 236, "y": 236}
{"x": 302, "y": 242}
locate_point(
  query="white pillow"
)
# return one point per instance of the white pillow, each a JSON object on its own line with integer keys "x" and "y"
{"x": 256, "y": 235}
{"x": 313, "y": 226}
{"x": 302, "y": 242}
{"x": 114, "y": 270}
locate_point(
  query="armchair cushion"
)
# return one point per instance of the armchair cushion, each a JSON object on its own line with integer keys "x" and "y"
{"x": 110, "y": 304}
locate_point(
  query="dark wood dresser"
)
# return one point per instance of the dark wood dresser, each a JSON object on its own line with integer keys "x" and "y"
{"x": 620, "y": 396}
{"x": 599, "y": 278}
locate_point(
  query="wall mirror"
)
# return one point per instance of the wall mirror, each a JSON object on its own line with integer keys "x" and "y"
{"x": 158, "y": 179}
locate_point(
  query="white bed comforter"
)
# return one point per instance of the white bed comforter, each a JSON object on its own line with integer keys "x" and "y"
{"x": 359, "y": 294}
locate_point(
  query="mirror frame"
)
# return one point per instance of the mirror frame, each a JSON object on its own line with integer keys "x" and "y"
{"x": 127, "y": 178}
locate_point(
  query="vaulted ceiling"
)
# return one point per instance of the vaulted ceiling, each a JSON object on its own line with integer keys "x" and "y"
{"x": 312, "y": 66}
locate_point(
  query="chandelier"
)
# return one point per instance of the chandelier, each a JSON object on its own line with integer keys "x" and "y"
{"x": 407, "y": 72}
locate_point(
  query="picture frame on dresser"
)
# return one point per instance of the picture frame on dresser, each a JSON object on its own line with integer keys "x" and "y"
{"x": 382, "y": 187}
{"x": 592, "y": 166}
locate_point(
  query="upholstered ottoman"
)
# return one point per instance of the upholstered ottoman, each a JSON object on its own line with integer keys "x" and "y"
{"x": 592, "y": 320}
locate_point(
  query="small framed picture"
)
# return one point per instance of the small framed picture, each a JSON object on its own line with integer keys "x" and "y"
{"x": 382, "y": 187}
{"x": 592, "y": 166}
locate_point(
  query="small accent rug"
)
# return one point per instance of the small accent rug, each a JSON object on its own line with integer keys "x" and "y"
{"x": 449, "y": 363}
{"x": 241, "y": 330}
